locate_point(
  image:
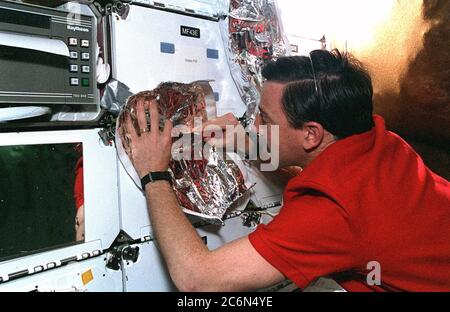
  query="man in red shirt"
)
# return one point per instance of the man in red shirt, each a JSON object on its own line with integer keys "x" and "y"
{"x": 365, "y": 210}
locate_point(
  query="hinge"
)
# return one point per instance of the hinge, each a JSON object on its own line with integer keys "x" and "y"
{"x": 251, "y": 216}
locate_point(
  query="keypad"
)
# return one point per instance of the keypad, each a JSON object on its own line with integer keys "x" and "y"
{"x": 80, "y": 66}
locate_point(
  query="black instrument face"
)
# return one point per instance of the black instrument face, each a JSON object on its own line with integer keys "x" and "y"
{"x": 37, "y": 206}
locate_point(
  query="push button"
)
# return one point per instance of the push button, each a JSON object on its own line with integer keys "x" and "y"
{"x": 85, "y": 43}
{"x": 74, "y": 81}
{"x": 73, "y": 68}
{"x": 85, "y": 82}
{"x": 74, "y": 55}
{"x": 73, "y": 41}
{"x": 85, "y": 56}
{"x": 85, "y": 69}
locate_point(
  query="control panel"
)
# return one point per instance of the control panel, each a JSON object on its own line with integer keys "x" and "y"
{"x": 80, "y": 65}
{"x": 48, "y": 57}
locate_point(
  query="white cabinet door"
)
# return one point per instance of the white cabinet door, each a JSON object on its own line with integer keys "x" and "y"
{"x": 101, "y": 207}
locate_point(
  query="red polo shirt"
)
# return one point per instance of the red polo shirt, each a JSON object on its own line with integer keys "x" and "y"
{"x": 368, "y": 197}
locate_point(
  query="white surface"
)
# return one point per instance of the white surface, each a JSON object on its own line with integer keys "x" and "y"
{"x": 305, "y": 45}
{"x": 219, "y": 235}
{"x": 265, "y": 192}
{"x": 76, "y": 8}
{"x": 209, "y": 7}
{"x": 68, "y": 278}
{"x": 149, "y": 273}
{"x": 22, "y": 112}
{"x": 324, "y": 284}
{"x": 44, "y": 259}
{"x": 37, "y": 43}
{"x": 134, "y": 217}
{"x": 69, "y": 116}
{"x": 141, "y": 66}
{"x": 100, "y": 192}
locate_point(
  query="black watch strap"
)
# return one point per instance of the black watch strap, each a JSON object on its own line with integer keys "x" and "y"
{"x": 156, "y": 176}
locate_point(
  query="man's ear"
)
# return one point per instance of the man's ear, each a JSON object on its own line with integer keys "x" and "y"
{"x": 313, "y": 135}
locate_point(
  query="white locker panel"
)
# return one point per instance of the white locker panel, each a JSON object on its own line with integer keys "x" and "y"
{"x": 88, "y": 275}
{"x": 149, "y": 273}
{"x": 203, "y": 7}
{"x": 218, "y": 235}
{"x": 143, "y": 59}
{"x": 134, "y": 219}
{"x": 100, "y": 196}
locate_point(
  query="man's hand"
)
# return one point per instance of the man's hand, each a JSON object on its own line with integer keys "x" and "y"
{"x": 149, "y": 150}
{"x": 231, "y": 135}
{"x": 222, "y": 121}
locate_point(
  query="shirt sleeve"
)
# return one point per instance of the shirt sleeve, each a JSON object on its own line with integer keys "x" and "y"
{"x": 310, "y": 237}
{"x": 79, "y": 185}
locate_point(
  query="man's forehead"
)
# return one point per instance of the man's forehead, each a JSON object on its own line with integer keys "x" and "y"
{"x": 272, "y": 92}
{"x": 273, "y": 85}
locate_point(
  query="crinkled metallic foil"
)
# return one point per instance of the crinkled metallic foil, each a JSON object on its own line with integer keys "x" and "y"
{"x": 254, "y": 37}
{"x": 206, "y": 185}
{"x": 114, "y": 96}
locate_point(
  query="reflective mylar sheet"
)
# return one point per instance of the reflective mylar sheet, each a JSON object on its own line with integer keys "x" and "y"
{"x": 206, "y": 185}
{"x": 254, "y": 35}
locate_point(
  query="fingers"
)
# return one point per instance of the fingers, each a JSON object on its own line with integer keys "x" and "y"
{"x": 127, "y": 131}
{"x": 141, "y": 118}
{"x": 168, "y": 128}
{"x": 154, "y": 117}
{"x": 222, "y": 121}
{"x": 129, "y": 127}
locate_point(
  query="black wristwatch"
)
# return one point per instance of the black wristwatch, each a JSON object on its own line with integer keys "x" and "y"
{"x": 156, "y": 176}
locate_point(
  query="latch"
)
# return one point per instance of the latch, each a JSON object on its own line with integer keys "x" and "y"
{"x": 130, "y": 253}
{"x": 251, "y": 216}
{"x": 251, "y": 219}
{"x": 121, "y": 250}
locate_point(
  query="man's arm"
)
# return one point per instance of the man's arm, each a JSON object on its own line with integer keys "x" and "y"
{"x": 236, "y": 266}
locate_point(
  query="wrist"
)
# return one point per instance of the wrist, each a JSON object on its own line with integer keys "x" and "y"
{"x": 156, "y": 185}
{"x": 144, "y": 172}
